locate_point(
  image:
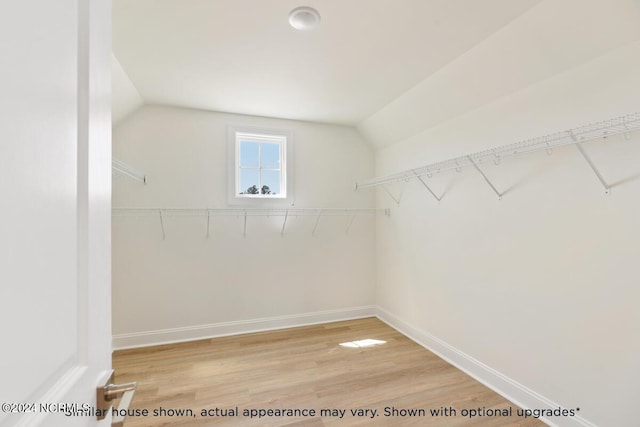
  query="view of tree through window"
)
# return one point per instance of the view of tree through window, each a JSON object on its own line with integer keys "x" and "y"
{"x": 254, "y": 190}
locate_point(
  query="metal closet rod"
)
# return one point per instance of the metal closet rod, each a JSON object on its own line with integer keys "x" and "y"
{"x": 619, "y": 125}
{"x": 123, "y": 168}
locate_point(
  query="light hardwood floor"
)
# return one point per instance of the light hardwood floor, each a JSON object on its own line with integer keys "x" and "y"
{"x": 305, "y": 368}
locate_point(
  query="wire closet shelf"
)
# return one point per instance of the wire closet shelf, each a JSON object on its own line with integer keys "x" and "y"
{"x": 121, "y": 167}
{"x": 621, "y": 125}
{"x": 141, "y": 211}
{"x": 245, "y": 213}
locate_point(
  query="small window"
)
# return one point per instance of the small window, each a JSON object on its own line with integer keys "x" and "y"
{"x": 259, "y": 160}
{"x": 260, "y": 166}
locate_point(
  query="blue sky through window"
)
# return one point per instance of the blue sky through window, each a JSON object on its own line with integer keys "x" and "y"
{"x": 270, "y": 158}
{"x": 249, "y": 154}
{"x": 272, "y": 179}
{"x": 248, "y": 178}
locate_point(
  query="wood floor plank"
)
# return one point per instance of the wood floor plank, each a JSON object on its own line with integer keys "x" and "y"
{"x": 305, "y": 369}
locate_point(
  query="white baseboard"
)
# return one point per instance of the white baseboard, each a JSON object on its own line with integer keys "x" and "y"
{"x": 199, "y": 332}
{"x": 501, "y": 384}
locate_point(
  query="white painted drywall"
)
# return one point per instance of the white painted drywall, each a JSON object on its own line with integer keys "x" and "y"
{"x": 189, "y": 281}
{"x": 125, "y": 97}
{"x": 552, "y": 37}
{"x": 542, "y": 286}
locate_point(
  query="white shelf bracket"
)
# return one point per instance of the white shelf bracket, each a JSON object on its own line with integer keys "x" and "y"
{"x": 485, "y": 177}
{"x": 164, "y": 235}
{"x": 208, "y": 222}
{"x": 315, "y": 226}
{"x": 578, "y": 145}
{"x": 384, "y": 187}
{"x": 627, "y": 131}
{"x": 353, "y": 217}
{"x": 244, "y": 232}
{"x": 425, "y": 185}
{"x": 284, "y": 223}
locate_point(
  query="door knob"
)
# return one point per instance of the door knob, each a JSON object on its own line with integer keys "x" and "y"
{"x": 115, "y": 391}
{"x": 108, "y": 392}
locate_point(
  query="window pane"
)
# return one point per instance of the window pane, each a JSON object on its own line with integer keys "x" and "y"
{"x": 249, "y": 181}
{"x": 249, "y": 156}
{"x": 270, "y": 156}
{"x": 270, "y": 179}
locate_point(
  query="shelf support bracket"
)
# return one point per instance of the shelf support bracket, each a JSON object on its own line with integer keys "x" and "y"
{"x": 164, "y": 236}
{"x": 627, "y": 132}
{"x": 595, "y": 170}
{"x": 425, "y": 185}
{"x": 244, "y": 232}
{"x": 315, "y": 226}
{"x": 208, "y": 222}
{"x": 485, "y": 178}
{"x": 284, "y": 223}
{"x": 353, "y": 217}
{"x": 391, "y": 195}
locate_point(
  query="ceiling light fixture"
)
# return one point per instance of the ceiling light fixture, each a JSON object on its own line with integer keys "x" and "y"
{"x": 304, "y": 18}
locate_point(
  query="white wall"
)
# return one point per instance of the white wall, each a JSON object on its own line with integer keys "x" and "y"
{"x": 550, "y": 38}
{"x": 125, "y": 98}
{"x": 542, "y": 286}
{"x": 228, "y": 283}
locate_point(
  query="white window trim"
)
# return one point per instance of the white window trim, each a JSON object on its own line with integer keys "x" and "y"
{"x": 287, "y": 168}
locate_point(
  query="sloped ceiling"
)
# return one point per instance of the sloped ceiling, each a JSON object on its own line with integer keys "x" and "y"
{"x": 125, "y": 97}
{"x": 391, "y": 68}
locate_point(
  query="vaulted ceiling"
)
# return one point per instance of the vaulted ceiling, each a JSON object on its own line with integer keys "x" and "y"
{"x": 390, "y": 67}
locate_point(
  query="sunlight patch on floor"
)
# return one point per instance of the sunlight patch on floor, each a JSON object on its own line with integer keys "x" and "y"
{"x": 362, "y": 343}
